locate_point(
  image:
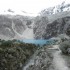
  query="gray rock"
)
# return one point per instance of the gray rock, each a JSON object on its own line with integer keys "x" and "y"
{"x": 46, "y": 30}
{"x": 13, "y": 26}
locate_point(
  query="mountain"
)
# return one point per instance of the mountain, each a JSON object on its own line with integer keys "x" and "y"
{"x": 52, "y": 22}
{"x": 52, "y": 25}
{"x": 13, "y": 26}
{"x": 40, "y": 27}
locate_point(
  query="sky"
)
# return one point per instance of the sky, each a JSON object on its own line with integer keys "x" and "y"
{"x": 29, "y": 6}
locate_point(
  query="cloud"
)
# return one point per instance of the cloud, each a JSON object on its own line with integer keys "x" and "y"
{"x": 31, "y": 6}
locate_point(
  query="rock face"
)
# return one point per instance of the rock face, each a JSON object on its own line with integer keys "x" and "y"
{"x": 59, "y": 26}
{"x": 13, "y": 26}
{"x": 52, "y": 26}
{"x": 40, "y": 27}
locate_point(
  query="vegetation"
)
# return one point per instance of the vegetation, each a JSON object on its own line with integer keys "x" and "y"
{"x": 68, "y": 31}
{"x": 13, "y": 54}
{"x": 63, "y": 37}
{"x": 65, "y": 47}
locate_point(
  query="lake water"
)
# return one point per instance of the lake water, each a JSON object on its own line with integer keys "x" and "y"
{"x": 40, "y": 41}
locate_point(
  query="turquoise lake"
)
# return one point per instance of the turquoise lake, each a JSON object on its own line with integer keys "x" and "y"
{"x": 40, "y": 41}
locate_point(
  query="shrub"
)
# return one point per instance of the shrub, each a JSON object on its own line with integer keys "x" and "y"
{"x": 64, "y": 46}
{"x": 13, "y": 54}
{"x": 63, "y": 37}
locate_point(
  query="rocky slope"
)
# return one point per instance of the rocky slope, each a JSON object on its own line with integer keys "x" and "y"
{"x": 13, "y": 26}
{"x": 52, "y": 25}
{"x": 40, "y": 27}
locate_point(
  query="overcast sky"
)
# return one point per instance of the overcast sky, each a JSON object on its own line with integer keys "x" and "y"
{"x": 30, "y": 6}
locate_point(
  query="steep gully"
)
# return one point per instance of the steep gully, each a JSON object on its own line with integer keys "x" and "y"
{"x": 27, "y": 34}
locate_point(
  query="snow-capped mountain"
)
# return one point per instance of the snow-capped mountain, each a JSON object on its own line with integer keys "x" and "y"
{"x": 46, "y": 25}
{"x": 52, "y": 22}
{"x": 56, "y": 9}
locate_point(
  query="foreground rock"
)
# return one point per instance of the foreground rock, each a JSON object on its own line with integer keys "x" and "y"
{"x": 42, "y": 61}
{"x": 49, "y": 59}
{"x": 65, "y": 47}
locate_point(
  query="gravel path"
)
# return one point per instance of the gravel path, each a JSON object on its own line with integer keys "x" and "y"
{"x": 59, "y": 62}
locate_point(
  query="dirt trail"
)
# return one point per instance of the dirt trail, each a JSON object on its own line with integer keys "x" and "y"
{"x": 59, "y": 62}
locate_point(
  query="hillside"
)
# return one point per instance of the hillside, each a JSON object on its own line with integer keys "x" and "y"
{"x": 40, "y": 27}
{"x": 13, "y": 54}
